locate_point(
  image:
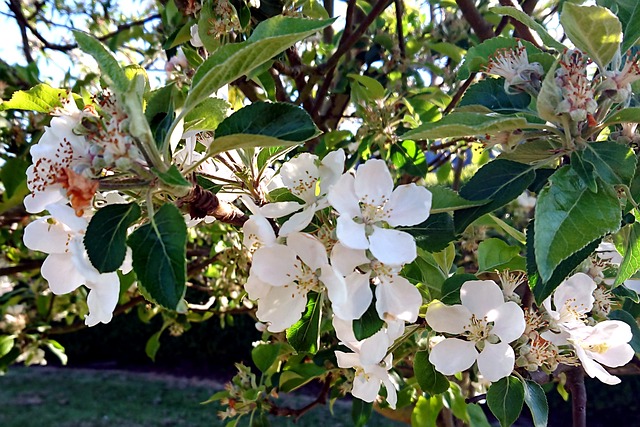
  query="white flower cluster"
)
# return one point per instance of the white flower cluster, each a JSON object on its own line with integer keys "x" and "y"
{"x": 353, "y": 248}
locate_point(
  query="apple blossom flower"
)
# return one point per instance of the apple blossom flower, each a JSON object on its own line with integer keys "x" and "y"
{"x": 577, "y": 91}
{"x": 310, "y": 181}
{"x": 68, "y": 267}
{"x": 572, "y": 300}
{"x": 513, "y": 65}
{"x": 367, "y": 204}
{"x": 488, "y": 325}
{"x": 617, "y": 84}
{"x": 195, "y": 40}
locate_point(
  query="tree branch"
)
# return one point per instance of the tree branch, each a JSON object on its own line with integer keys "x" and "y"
{"x": 16, "y": 8}
{"x": 522, "y": 30}
{"x": 575, "y": 384}
{"x": 297, "y": 413}
{"x": 471, "y": 13}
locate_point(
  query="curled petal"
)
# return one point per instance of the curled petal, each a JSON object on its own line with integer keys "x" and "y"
{"x": 344, "y": 332}
{"x": 392, "y": 247}
{"x": 331, "y": 169}
{"x": 594, "y": 369}
{"x": 509, "y": 323}
{"x": 102, "y": 299}
{"x": 347, "y": 360}
{"x": 279, "y": 209}
{"x": 68, "y": 217}
{"x": 62, "y": 275}
{"x": 373, "y": 184}
{"x": 276, "y": 265}
{"x": 496, "y": 361}
{"x": 351, "y": 234}
{"x": 453, "y": 355}
{"x": 409, "y": 205}
{"x": 397, "y": 298}
{"x": 481, "y": 296}
{"x": 449, "y": 319}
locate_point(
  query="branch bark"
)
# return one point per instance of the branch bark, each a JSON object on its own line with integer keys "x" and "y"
{"x": 480, "y": 26}
{"x": 575, "y": 384}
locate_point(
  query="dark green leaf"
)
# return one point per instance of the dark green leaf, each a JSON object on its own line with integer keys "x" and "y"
{"x": 264, "y": 355}
{"x": 447, "y": 200}
{"x": 304, "y": 335}
{"x": 491, "y": 94}
{"x": 429, "y": 380}
{"x": 631, "y": 321}
{"x": 434, "y": 234}
{"x": 626, "y": 115}
{"x": 369, "y": 323}
{"x": 624, "y": 292}
{"x": 106, "y": 235}
{"x": 495, "y": 254}
{"x": 172, "y": 177}
{"x": 568, "y": 217}
{"x": 531, "y": 152}
{"x": 505, "y": 399}
{"x": 499, "y": 181}
{"x": 295, "y": 376}
{"x": 159, "y": 256}
{"x": 13, "y": 175}
{"x": 614, "y": 163}
{"x": 536, "y": 400}
{"x": 41, "y": 98}
{"x": 585, "y": 171}
{"x": 451, "y": 288}
{"x": 360, "y": 412}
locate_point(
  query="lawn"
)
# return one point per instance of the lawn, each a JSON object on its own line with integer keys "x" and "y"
{"x": 62, "y": 397}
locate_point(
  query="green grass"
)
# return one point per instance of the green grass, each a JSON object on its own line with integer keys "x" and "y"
{"x": 45, "y": 397}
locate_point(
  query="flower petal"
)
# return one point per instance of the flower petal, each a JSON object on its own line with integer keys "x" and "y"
{"x": 39, "y": 200}
{"x": 408, "y": 205}
{"x": 102, "y": 299}
{"x": 331, "y": 169}
{"x": 40, "y": 235}
{"x": 342, "y": 197}
{"x": 276, "y": 265}
{"x": 348, "y": 360}
{"x": 496, "y": 361}
{"x": 453, "y": 355}
{"x": 594, "y": 369}
{"x": 575, "y": 293}
{"x": 392, "y": 246}
{"x": 298, "y": 221}
{"x": 373, "y": 184}
{"x": 396, "y": 297}
{"x": 282, "y": 307}
{"x": 365, "y": 387}
{"x": 374, "y": 348}
{"x": 256, "y": 288}
{"x": 351, "y": 296}
{"x": 59, "y": 271}
{"x": 509, "y": 323}
{"x": 279, "y": 209}
{"x": 257, "y": 232}
{"x": 481, "y": 296}
{"x": 309, "y": 249}
{"x": 345, "y": 260}
{"x": 300, "y": 175}
{"x": 449, "y": 319}
{"x": 351, "y": 234}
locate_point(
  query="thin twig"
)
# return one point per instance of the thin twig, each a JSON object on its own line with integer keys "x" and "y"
{"x": 575, "y": 385}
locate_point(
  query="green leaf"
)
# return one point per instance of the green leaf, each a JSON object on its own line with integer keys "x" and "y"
{"x": 628, "y": 12}
{"x": 41, "y": 98}
{"x": 631, "y": 262}
{"x": 429, "y": 380}
{"x": 159, "y": 256}
{"x": 451, "y": 288}
{"x": 295, "y": 376}
{"x": 631, "y": 321}
{"x": 447, "y": 200}
{"x": 264, "y": 355}
{"x": 361, "y": 412}
{"x": 371, "y": 87}
{"x": 499, "y": 181}
{"x": 304, "y": 335}
{"x": 531, "y": 152}
{"x": 6, "y": 344}
{"x": 108, "y": 64}
{"x": 495, "y": 254}
{"x": 234, "y": 60}
{"x": 478, "y": 56}
{"x": 172, "y": 177}
{"x": 408, "y": 157}
{"x": 626, "y": 115}
{"x": 594, "y": 30}
{"x": 614, "y": 163}
{"x": 13, "y": 176}
{"x": 434, "y": 234}
{"x": 624, "y": 292}
{"x": 465, "y": 124}
{"x": 490, "y": 93}
{"x": 493, "y": 221}
{"x": 549, "y": 97}
{"x": 568, "y": 217}
{"x": 585, "y": 171}
{"x": 542, "y": 289}
{"x": 519, "y": 15}
{"x": 536, "y": 400}
{"x": 505, "y": 399}
{"x": 207, "y": 115}
{"x": 369, "y": 323}
{"x": 106, "y": 235}
{"x": 426, "y": 411}
{"x": 153, "y": 343}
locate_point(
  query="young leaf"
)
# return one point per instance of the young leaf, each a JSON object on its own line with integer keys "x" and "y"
{"x": 505, "y": 399}
{"x": 426, "y": 411}
{"x": 569, "y": 216}
{"x": 495, "y": 254}
{"x": 41, "y": 98}
{"x": 594, "y": 30}
{"x": 531, "y": 23}
{"x": 550, "y": 96}
{"x": 465, "y": 124}
{"x": 207, "y": 115}
{"x": 536, "y": 400}
{"x": 159, "y": 256}
{"x": 232, "y": 61}
{"x": 304, "y": 335}
{"x": 264, "y": 355}
{"x": 172, "y": 177}
{"x": 108, "y": 64}
{"x": 631, "y": 262}
{"x": 499, "y": 181}
{"x": 429, "y": 380}
{"x": 106, "y": 235}
{"x": 626, "y": 115}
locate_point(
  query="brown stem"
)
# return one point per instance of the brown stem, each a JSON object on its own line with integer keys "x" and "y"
{"x": 522, "y": 30}
{"x": 25, "y": 266}
{"x": 401, "y": 44}
{"x": 297, "y": 413}
{"x": 575, "y": 385}
{"x": 204, "y": 203}
{"x": 471, "y": 13}
{"x": 16, "y": 8}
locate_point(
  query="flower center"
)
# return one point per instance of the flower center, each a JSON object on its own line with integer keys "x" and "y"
{"x": 478, "y": 329}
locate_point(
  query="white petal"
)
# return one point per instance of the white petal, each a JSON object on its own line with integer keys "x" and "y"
{"x": 256, "y": 288}
{"x": 508, "y": 321}
{"x": 392, "y": 394}
{"x": 374, "y": 348}
{"x": 397, "y": 297}
{"x": 342, "y": 197}
{"x": 409, "y": 205}
{"x": 276, "y": 265}
{"x": 345, "y": 260}
{"x": 351, "y": 296}
{"x": 66, "y": 215}
{"x": 594, "y": 369}
{"x": 347, "y": 360}
{"x": 279, "y": 209}
{"x": 395, "y": 328}
{"x": 336, "y": 287}
{"x": 496, "y": 361}
{"x": 392, "y": 246}
{"x": 365, "y": 387}
{"x": 59, "y": 271}
{"x": 453, "y": 355}
{"x": 373, "y": 184}
{"x": 298, "y": 221}
{"x": 450, "y": 319}
{"x": 331, "y": 169}
{"x": 615, "y": 356}
{"x": 481, "y": 296}
{"x": 282, "y": 307}
{"x": 344, "y": 332}
{"x": 102, "y": 299}
{"x": 257, "y": 232}
{"x": 127, "y": 264}
{"x": 300, "y": 176}
{"x": 575, "y": 293}
{"x": 38, "y": 201}
{"x": 40, "y": 235}
{"x": 351, "y": 234}
{"x": 309, "y": 249}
